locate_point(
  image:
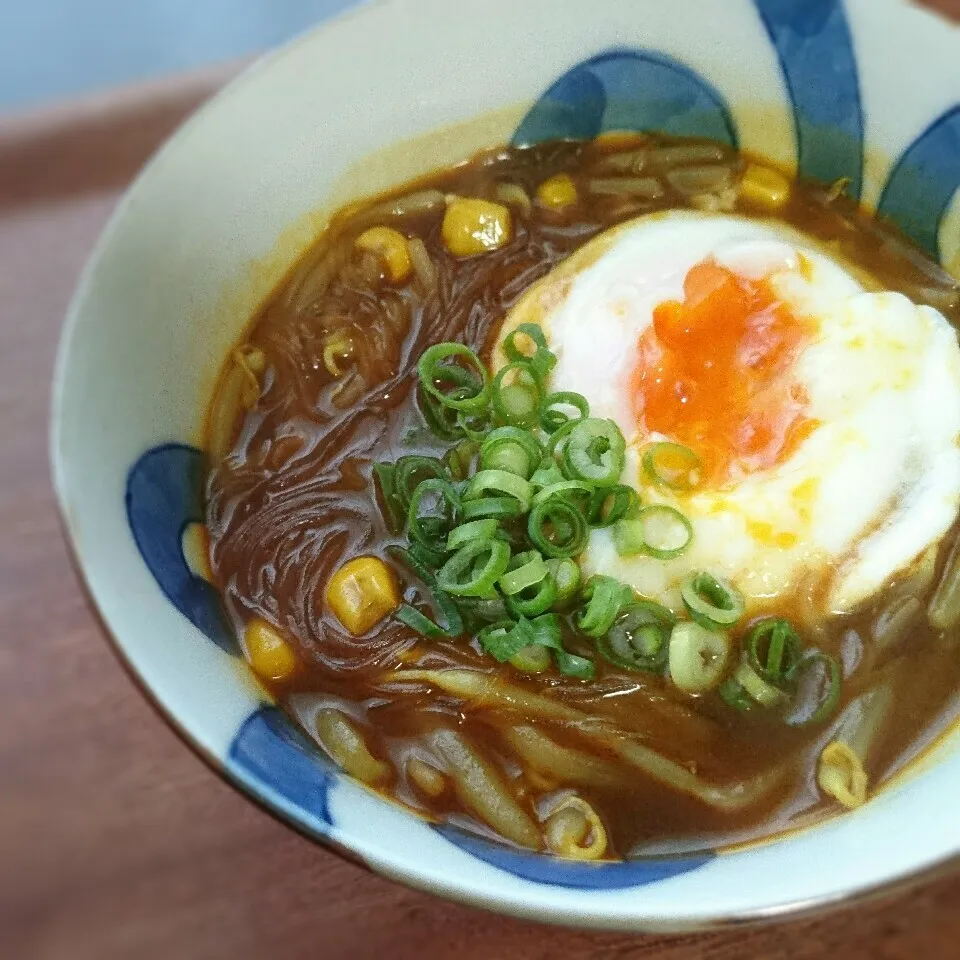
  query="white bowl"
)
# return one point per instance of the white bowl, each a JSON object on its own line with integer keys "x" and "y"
{"x": 866, "y": 89}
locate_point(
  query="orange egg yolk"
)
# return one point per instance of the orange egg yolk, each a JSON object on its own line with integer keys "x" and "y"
{"x": 711, "y": 373}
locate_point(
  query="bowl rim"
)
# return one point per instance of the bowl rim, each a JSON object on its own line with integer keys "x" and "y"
{"x": 399, "y": 869}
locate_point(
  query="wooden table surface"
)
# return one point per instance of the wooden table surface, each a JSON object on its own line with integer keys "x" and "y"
{"x": 115, "y": 840}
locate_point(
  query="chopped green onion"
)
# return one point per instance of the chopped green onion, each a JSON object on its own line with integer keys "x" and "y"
{"x": 426, "y": 558}
{"x": 697, "y": 657}
{"x": 533, "y": 600}
{"x": 830, "y": 695}
{"x": 498, "y": 507}
{"x": 594, "y": 452}
{"x": 511, "y": 449}
{"x": 734, "y": 695}
{"x": 474, "y": 569}
{"x": 393, "y": 511}
{"x": 546, "y": 630}
{"x": 557, "y": 528}
{"x": 526, "y": 570}
{"x": 605, "y": 598}
{"x": 570, "y": 665}
{"x": 552, "y": 412}
{"x": 418, "y": 621}
{"x": 766, "y": 694}
{"x": 542, "y": 360}
{"x": 658, "y": 530}
{"x": 411, "y": 471}
{"x": 421, "y": 623}
{"x": 516, "y": 394}
{"x": 711, "y": 602}
{"x": 504, "y": 639}
{"x": 628, "y": 539}
{"x": 442, "y": 421}
{"x": 547, "y": 474}
{"x": 472, "y": 530}
{"x": 459, "y": 459}
{"x": 557, "y": 441}
{"x": 534, "y": 658}
{"x": 571, "y": 490}
{"x": 430, "y": 531}
{"x": 773, "y": 647}
{"x": 500, "y": 482}
{"x": 639, "y": 638}
{"x": 609, "y": 505}
{"x": 479, "y": 611}
{"x": 474, "y": 426}
{"x": 566, "y": 575}
{"x": 433, "y": 372}
{"x": 672, "y": 465}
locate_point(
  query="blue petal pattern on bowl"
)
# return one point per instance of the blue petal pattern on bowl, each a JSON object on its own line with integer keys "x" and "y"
{"x": 813, "y": 42}
{"x": 923, "y": 182}
{"x": 271, "y": 756}
{"x": 627, "y": 90}
{"x": 572, "y": 873}
{"x": 164, "y": 496}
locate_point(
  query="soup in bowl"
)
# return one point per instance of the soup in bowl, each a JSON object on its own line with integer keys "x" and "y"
{"x": 568, "y": 485}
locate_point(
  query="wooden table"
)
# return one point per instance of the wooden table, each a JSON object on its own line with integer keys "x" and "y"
{"x": 115, "y": 840}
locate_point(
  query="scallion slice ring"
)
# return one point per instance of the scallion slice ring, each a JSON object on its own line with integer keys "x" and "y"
{"x": 512, "y": 449}
{"x": 766, "y": 694}
{"x": 542, "y": 359}
{"x": 472, "y": 530}
{"x": 658, "y": 530}
{"x": 516, "y": 394}
{"x": 711, "y": 602}
{"x": 673, "y": 466}
{"x": 773, "y": 648}
{"x": 557, "y": 528}
{"x": 593, "y": 452}
{"x": 639, "y": 638}
{"x": 609, "y": 505}
{"x": 554, "y": 410}
{"x": 475, "y": 568}
{"x": 698, "y": 657}
{"x": 499, "y": 483}
{"x": 525, "y": 570}
{"x": 605, "y": 598}
{"x": 434, "y": 372}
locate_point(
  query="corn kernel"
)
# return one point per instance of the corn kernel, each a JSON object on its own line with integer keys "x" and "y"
{"x": 195, "y": 546}
{"x": 472, "y": 226}
{"x": 764, "y": 186}
{"x": 391, "y": 246}
{"x": 269, "y": 654}
{"x": 361, "y": 593}
{"x": 557, "y": 192}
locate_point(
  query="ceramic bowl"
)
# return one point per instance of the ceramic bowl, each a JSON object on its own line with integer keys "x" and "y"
{"x": 867, "y": 89}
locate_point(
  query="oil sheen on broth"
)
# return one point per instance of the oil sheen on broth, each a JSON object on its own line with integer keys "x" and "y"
{"x": 734, "y": 329}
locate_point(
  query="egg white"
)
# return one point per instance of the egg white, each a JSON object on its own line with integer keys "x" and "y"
{"x": 874, "y": 484}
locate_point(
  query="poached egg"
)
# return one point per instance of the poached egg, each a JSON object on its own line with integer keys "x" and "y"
{"x": 825, "y": 411}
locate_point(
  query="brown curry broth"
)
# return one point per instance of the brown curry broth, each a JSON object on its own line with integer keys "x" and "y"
{"x": 293, "y": 500}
